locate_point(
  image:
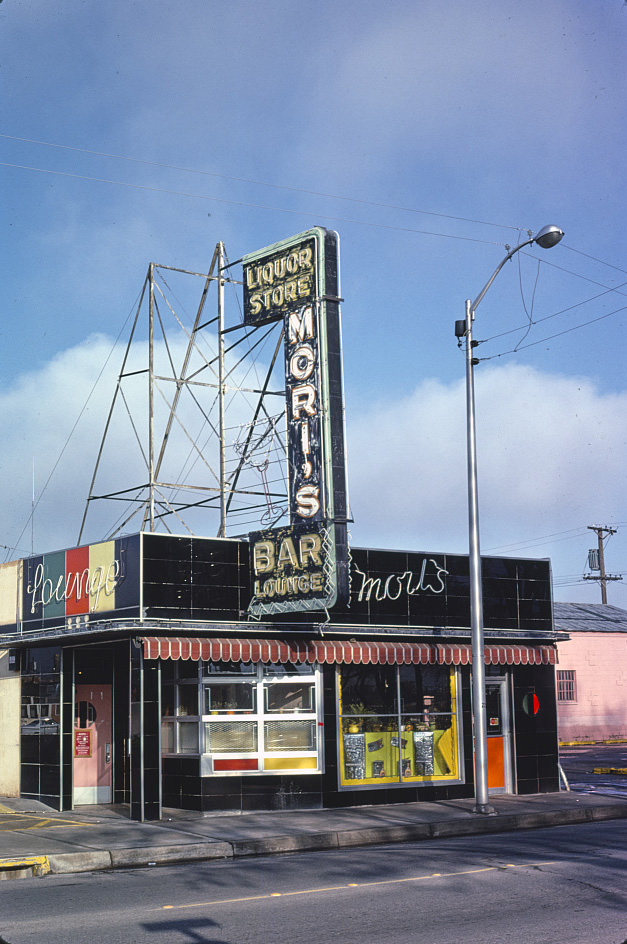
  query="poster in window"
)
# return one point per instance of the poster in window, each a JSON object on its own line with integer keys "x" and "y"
{"x": 423, "y": 753}
{"x": 355, "y": 756}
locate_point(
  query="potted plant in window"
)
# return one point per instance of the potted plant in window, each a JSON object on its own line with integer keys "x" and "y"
{"x": 355, "y": 725}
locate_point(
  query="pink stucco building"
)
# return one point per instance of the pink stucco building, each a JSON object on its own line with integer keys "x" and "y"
{"x": 591, "y": 672}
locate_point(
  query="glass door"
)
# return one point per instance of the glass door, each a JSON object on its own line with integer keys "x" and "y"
{"x": 498, "y": 729}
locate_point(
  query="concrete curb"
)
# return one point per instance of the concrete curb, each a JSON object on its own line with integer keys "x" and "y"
{"x": 195, "y": 852}
{"x": 332, "y": 839}
{"x": 79, "y": 862}
{"x": 276, "y": 845}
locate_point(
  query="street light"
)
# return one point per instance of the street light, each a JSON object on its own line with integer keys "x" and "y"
{"x": 546, "y": 238}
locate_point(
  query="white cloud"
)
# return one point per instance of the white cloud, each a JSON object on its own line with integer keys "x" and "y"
{"x": 55, "y": 417}
{"x": 552, "y": 453}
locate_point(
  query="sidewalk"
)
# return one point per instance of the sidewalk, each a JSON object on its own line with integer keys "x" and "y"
{"x": 35, "y": 840}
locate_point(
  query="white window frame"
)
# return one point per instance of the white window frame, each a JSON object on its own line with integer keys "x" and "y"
{"x": 268, "y": 762}
{"x": 566, "y": 684}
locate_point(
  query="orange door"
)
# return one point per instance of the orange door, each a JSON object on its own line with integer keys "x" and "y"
{"x": 496, "y": 763}
{"x": 92, "y": 744}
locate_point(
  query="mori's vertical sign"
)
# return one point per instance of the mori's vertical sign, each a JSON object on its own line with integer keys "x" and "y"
{"x": 304, "y": 566}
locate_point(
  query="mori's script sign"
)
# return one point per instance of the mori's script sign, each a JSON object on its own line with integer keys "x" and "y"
{"x": 304, "y": 566}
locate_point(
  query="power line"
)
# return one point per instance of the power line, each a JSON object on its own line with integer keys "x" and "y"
{"x": 244, "y": 203}
{"x": 594, "y": 259}
{"x": 543, "y": 539}
{"x": 555, "y": 314}
{"x": 551, "y": 337}
{"x": 577, "y": 275}
{"x": 259, "y": 183}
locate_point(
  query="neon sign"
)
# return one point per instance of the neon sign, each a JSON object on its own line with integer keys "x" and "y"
{"x": 68, "y": 587}
{"x": 86, "y": 586}
{"x": 297, "y": 281}
{"x": 279, "y": 281}
{"x": 430, "y": 579}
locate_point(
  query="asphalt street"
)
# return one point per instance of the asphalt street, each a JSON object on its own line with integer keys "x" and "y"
{"x": 35, "y": 840}
{"x": 563, "y": 885}
{"x": 580, "y": 763}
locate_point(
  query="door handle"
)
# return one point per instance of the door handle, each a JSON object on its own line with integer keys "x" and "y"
{"x": 107, "y": 754}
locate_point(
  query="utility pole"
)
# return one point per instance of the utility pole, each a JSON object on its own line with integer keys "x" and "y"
{"x": 222, "y": 390}
{"x": 599, "y": 564}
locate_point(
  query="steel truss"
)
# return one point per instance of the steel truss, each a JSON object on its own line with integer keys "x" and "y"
{"x": 209, "y": 455}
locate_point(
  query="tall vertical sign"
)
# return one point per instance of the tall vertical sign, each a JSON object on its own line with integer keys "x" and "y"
{"x": 304, "y": 566}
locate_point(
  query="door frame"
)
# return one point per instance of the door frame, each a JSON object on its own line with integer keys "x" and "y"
{"x": 503, "y": 683}
{"x": 98, "y": 789}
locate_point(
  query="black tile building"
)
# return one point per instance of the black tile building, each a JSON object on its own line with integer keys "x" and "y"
{"x": 144, "y": 681}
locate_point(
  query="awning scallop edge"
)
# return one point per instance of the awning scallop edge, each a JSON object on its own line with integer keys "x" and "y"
{"x": 333, "y": 652}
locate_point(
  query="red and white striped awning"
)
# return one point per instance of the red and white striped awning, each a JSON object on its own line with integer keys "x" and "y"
{"x": 333, "y": 652}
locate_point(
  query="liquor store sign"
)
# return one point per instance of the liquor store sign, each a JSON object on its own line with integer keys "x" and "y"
{"x": 279, "y": 281}
{"x": 304, "y": 566}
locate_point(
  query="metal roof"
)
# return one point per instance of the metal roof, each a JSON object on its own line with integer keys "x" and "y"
{"x": 589, "y": 618}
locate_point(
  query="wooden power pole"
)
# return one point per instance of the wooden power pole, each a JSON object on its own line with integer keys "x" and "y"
{"x": 596, "y": 560}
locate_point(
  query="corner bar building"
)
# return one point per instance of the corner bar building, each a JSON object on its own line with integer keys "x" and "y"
{"x": 278, "y": 671}
{"x": 144, "y": 682}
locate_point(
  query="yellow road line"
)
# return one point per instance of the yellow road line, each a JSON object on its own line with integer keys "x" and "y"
{"x": 621, "y": 771}
{"x": 335, "y": 888}
{"x": 36, "y": 821}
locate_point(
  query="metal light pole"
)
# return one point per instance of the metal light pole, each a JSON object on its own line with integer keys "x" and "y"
{"x": 547, "y": 237}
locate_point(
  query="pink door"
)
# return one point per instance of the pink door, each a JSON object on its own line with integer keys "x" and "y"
{"x": 92, "y": 744}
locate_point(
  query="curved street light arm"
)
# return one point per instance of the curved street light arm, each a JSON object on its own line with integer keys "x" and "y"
{"x": 509, "y": 255}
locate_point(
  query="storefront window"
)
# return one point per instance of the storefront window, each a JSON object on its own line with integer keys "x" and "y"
{"x": 290, "y": 735}
{"x": 255, "y": 718}
{"x": 398, "y": 724}
{"x": 179, "y": 708}
{"x": 229, "y": 737}
{"x": 228, "y": 668}
{"x": 167, "y": 738}
{"x": 280, "y": 670}
{"x": 188, "y": 737}
{"x": 188, "y": 699}
{"x": 40, "y": 712}
{"x": 229, "y": 697}
{"x": 281, "y": 698}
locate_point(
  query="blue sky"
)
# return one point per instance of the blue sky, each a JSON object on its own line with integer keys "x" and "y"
{"x": 430, "y": 135}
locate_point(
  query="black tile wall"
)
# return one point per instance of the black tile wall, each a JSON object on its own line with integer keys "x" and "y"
{"x": 30, "y": 779}
{"x": 50, "y": 780}
{"x": 535, "y": 734}
{"x": 152, "y": 756}
{"x": 200, "y": 578}
{"x": 135, "y": 734}
{"x": 40, "y": 749}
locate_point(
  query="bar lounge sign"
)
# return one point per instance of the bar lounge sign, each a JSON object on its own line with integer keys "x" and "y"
{"x": 304, "y": 566}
